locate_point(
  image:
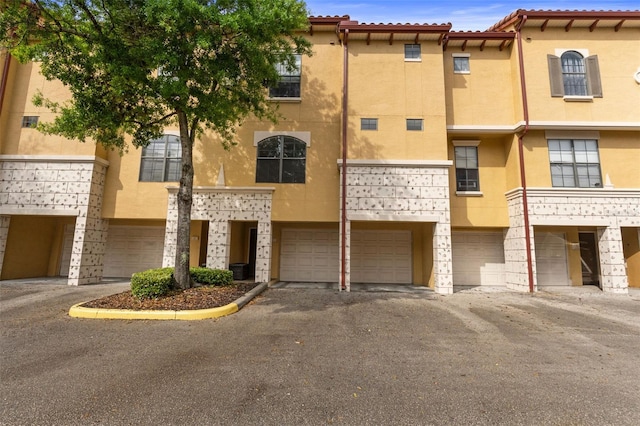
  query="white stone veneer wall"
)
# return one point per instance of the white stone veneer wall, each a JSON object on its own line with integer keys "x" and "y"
{"x": 404, "y": 191}
{"x": 4, "y": 233}
{"x": 61, "y": 186}
{"x": 606, "y": 209}
{"x": 220, "y": 206}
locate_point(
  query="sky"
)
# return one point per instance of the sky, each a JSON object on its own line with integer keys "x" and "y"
{"x": 465, "y": 15}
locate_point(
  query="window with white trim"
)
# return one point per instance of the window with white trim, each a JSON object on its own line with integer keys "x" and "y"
{"x": 415, "y": 124}
{"x": 467, "y": 175}
{"x": 161, "y": 160}
{"x": 281, "y": 159}
{"x": 574, "y": 75}
{"x": 368, "y": 124}
{"x": 288, "y": 85}
{"x": 461, "y": 63}
{"x": 575, "y": 163}
{"x": 412, "y": 52}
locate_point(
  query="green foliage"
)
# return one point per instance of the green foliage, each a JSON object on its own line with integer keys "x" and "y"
{"x": 152, "y": 283}
{"x": 208, "y": 276}
{"x": 215, "y": 57}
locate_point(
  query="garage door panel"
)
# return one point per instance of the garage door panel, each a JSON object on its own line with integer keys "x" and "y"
{"x": 551, "y": 259}
{"x": 376, "y": 256}
{"x": 478, "y": 258}
{"x": 132, "y": 249}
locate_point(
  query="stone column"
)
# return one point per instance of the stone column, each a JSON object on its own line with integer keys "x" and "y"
{"x": 90, "y": 234}
{"x": 613, "y": 274}
{"x": 515, "y": 249}
{"x": 170, "y": 233}
{"x": 442, "y": 258}
{"x": 347, "y": 263}
{"x": 87, "y": 253}
{"x": 4, "y": 233}
{"x": 218, "y": 245}
{"x": 263, "y": 253}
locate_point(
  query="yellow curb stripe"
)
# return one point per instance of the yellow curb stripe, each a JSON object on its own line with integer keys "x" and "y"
{"x": 78, "y": 311}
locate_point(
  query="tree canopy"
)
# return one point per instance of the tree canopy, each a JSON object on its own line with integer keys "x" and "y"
{"x": 134, "y": 67}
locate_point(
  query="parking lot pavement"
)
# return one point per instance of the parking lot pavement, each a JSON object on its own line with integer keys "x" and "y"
{"x": 314, "y": 356}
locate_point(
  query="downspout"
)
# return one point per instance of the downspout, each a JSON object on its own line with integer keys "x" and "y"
{"x": 5, "y": 77}
{"x": 521, "y": 135}
{"x": 345, "y": 96}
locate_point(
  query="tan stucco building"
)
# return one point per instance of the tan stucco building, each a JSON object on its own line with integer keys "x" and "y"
{"x": 406, "y": 154}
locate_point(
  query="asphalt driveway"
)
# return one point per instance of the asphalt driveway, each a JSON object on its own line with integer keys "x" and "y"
{"x": 314, "y": 356}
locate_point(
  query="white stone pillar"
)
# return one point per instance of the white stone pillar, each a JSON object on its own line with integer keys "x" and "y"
{"x": 4, "y": 233}
{"x": 218, "y": 245}
{"x": 263, "y": 253}
{"x": 87, "y": 254}
{"x": 442, "y": 258}
{"x": 515, "y": 249}
{"x": 613, "y": 274}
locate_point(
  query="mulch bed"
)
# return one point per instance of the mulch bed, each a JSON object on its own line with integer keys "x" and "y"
{"x": 177, "y": 300}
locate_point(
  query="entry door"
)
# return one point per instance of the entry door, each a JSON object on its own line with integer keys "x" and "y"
{"x": 589, "y": 258}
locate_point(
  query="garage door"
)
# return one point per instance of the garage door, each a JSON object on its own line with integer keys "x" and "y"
{"x": 551, "y": 259}
{"x": 133, "y": 249}
{"x": 309, "y": 255}
{"x": 381, "y": 257}
{"x": 478, "y": 258}
{"x": 129, "y": 249}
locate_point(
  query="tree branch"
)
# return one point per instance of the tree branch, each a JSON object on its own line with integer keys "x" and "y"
{"x": 82, "y": 5}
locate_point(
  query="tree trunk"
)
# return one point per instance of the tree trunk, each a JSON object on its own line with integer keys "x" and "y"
{"x": 185, "y": 198}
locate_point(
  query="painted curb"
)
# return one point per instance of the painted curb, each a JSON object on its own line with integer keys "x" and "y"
{"x": 78, "y": 311}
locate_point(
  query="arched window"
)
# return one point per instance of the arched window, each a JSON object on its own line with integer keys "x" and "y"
{"x": 161, "y": 160}
{"x": 281, "y": 159}
{"x": 574, "y": 74}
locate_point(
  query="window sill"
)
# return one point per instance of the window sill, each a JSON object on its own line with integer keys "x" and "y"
{"x": 413, "y": 59}
{"x": 578, "y": 98}
{"x": 286, "y": 100}
{"x": 462, "y": 72}
{"x": 469, "y": 193}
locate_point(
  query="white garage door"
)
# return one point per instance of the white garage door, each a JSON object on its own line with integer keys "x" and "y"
{"x": 129, "y": 249}
{"x": 551, "y": 259}
{"x": 309, "y": 255}
{"x": 133, "y": 249}
{"x": 478, "y": 258}
{"x": 381, "y": 257}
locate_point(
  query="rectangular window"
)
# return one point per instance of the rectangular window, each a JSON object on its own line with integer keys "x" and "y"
{"x": 161, "y": 160}
{"x": 30, "y": 121}
{"x": 467, "y": 176}
{"x": 414, "y": 124}
{"x": 411, "y": 52}
{"x": 288, "y": 85}
{"x": 575, "y": 163}
{"x": 461, "y": 64}
{"x": 368, "y": 124}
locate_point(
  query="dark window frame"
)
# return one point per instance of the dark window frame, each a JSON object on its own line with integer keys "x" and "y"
{"x": 368, "y": 124}
{"x": 289, "y": 81}
{"x": 467, "y": 168}
{"x": 411, "y": 124}
{"x": 30, "y": 121}
{"x": 557, "y": 76}
{"x": 165, "y": 152}
{"x": 572, "y": 163}
{"x": 281, "y": 159}
{"x": 412, "y": 52}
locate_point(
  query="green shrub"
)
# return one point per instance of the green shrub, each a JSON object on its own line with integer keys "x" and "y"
{"x": 208, "y": 276}
{"x": 152, "y": 283}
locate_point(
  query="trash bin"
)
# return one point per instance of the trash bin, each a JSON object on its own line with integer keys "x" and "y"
{"x": 240, "y": 271}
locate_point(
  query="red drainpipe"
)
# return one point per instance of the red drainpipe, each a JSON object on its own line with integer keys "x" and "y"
{"x": 5, "y": 77}
{"x": 523, "y": 179}
{"x": 345, "y": 96}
